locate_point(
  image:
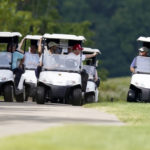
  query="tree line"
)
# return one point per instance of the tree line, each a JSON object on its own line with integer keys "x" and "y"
{"x": 112, "y": 26}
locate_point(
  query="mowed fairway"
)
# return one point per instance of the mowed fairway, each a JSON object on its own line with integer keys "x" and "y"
{"x": 134, "y": 135}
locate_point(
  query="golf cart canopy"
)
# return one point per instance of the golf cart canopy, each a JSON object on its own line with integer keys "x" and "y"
{"x": 6, "y": 37}
{"x": 64, "y": 37}
{"x": 64, "y": 41}
{"x": 10, "y": 34}
{"x": 33, "y": 37}
{"x": 145, "y": 41}
{"x": 90, "y": 50}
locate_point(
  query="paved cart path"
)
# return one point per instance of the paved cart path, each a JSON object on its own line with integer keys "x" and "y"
{"x": 18, "y": 118}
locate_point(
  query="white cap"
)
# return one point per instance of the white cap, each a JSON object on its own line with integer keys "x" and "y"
{"x": 143, "y": 49}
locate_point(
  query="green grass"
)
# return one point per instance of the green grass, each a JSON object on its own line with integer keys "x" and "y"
{"x": 134, "y": 135}
{"x": 137, "y": 114}
{"x": 81, "y": 138}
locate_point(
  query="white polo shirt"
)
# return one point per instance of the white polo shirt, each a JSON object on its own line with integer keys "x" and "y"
{"x": 74, "y": 56}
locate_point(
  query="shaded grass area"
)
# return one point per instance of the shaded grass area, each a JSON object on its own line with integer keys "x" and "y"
{"x": 114, "y": 89}
{"x": 81, "y": 138}
{"x": 1, "y": 98}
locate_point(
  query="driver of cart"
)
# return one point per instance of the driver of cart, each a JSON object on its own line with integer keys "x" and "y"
{"x": 52, "y": 47}
{"x": 89, "y": 63}
{"x": 76, "y": 50}
{"x": 143, "y": 51}
{"x": 30, "y": 58}
{"x": 31, "y": 61}
{"x": 17, "y": 64}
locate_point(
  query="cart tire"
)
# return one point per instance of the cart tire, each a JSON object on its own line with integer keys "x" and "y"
{"x": 26, "y": 95}
{"x": 40, "y": 94}
{"x": 90, "y": 98}
{"x": 77, "y": 97}
{"x": 8, "y": 93}
{"x": 20, "y": 98}
{"x": 131, "y": 96}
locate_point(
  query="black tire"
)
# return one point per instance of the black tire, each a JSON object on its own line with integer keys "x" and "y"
{"x": 90, "y": 98}
{"x": 40, "y": 95}
{"x": 131, "y": 96}
{"x": 20, "y": 97}
{"x": 8, "y": 93}
{"x": 26, "y": 93}
{"x": 68, "y": 98}
{"x": 77, "y": 97}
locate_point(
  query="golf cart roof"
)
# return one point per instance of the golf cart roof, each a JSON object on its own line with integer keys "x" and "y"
{"x": 33, "y": 37}
{"x": 91, "y": 50}
{"x": 10, "y": 34}
{"x": 143, "y": 39}
{"x": 64, "y": 37}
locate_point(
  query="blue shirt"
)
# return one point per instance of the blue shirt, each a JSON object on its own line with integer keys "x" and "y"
{"x": 133, "y": 63}
{"x": 17, "y": 56}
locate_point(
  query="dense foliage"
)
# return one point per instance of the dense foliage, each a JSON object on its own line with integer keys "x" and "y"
{"x": 112, "y": 26}
{"x": 117, "y": 25}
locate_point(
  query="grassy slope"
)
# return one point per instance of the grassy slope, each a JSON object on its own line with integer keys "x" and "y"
{"x": 134, "y": 136}
{"x": 133, "y": 114}
{"x": 115, "y": 88}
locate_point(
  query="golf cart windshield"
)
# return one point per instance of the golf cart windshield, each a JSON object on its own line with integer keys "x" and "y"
{"x": 31, "y": 61}
{"x": 90, "y": 70}
{"x": 5, "y": 60}
{"x": 60, "y": 62}
{"x": 142, "y": 65}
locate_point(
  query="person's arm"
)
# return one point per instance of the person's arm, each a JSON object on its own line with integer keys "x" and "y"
{"x": 40, "y": 47}
{"x": 20, "y": 45}
{"x": 21, "y": 62}
{"x": 132, "y": 66}
{"x": 132, "y": 69}
{"x": 96, "y": 76}
{"x": 90, "y": 55}
{"x": 40, "y": 61}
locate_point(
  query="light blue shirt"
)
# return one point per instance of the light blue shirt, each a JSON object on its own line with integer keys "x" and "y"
{"x": 17, "y": 56}
{"x": 133, "y": 63}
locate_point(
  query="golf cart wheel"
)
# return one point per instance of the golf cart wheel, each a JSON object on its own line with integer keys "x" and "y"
{"x": 27, "y": 94}
{"x": 8, "y": 93}
{"x": 40, "y": 95}
{"x": 20, "y": 97}
{"x": 77, "y": 97}
{"x": 90, "y": 98}
{"x": 131, "y": 96}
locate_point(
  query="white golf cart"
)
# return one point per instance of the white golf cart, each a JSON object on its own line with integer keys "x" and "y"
{"x": 139, "y": 90}
{"x": 7, "y": 86}
{"x": 61, "y": 77}
{"x": 91, "y": 94}
{"x": 28, "y": 80}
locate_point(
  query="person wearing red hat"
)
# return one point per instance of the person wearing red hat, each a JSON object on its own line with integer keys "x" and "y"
{"x": 76, "y": 51}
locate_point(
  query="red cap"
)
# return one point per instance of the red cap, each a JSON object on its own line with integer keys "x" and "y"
{"x": 77, "y": 47}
